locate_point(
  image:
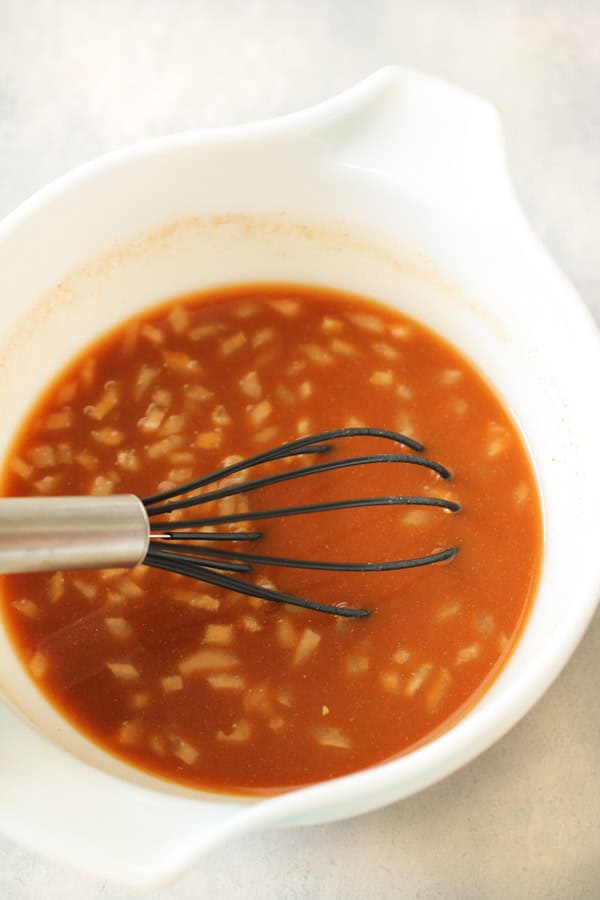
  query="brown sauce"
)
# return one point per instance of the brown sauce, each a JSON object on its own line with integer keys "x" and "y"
{"x": 229, "y": 693}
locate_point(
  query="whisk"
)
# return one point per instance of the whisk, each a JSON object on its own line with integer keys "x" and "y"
{"x": 122, "y": 530}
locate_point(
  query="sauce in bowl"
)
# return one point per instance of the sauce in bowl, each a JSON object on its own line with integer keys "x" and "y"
{"x": 223, "y": 692}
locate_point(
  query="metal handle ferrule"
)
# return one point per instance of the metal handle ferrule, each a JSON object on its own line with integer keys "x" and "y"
{"x": 43, "y": 534}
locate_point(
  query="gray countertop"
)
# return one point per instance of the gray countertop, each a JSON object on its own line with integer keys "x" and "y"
{"x": 79, "y": 78}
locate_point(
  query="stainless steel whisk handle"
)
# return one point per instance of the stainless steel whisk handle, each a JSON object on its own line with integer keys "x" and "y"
{"x": 43, "y": 534}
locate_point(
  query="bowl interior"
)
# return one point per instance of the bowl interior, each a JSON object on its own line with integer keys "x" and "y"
{"x": 98, "y": 269}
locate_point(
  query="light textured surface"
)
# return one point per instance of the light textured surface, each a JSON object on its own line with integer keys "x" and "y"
{"x": 79, "y": 78}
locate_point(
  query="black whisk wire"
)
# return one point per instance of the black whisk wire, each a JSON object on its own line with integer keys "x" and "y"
{"x": 284, "y": 511}
{"x": 322, "y": 565}
{"x": 211, "y": 564}
{"x": 163, "y": 561}
{"x": 231, "y": 490}
{"x": 292, "y": 448}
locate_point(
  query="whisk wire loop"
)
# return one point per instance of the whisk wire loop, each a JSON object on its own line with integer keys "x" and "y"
{"x": 245, "y": 487}
{"x": 296, "y": 447}
{"x": 163, "y": 561}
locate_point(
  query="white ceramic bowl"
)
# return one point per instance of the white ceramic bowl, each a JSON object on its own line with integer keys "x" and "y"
{"x": 396, "y": 189}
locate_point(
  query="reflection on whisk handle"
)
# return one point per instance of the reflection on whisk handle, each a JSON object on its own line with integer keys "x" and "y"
{"x": 43, "y": 534}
